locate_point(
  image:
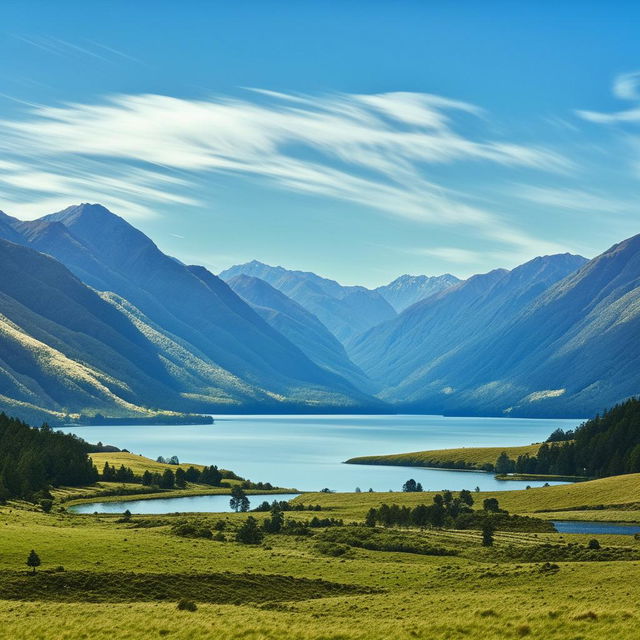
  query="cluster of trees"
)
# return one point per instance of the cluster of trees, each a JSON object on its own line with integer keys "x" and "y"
{"x": 276, "y": 523}
{"x": 606, "y": 445}
{"x": 170, "y": 479}
{"x": 165, "y": 480}
{"x": 32, "y": 460}
{"x": 444, "y": 510}
{"x": 170, "y": 460}
{"x": 283, "y": 505}
{"x": 411, "y": 485}
{"x": 123, "y": 474}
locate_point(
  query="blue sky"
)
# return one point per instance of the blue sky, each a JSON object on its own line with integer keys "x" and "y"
{"x": 359, "y": 140}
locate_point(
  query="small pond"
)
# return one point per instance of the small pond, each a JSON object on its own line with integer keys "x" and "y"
{"x": 186, "y": 504}
{"x": 596, "y": 528}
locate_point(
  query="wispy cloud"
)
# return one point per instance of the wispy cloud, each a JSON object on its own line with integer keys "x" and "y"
{"x": 373, "y": 150}
{"x": 572, "y": 199}
{"x": 626, "y": 87}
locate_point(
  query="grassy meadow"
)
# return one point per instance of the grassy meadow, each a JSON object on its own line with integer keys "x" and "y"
{"x": 102, "y": 578}
{"x": 462, "y": 457}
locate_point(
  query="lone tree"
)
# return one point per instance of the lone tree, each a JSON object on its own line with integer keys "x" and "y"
{"x": 33, "y": 560}
{"x": 487, "y": 534}
{"x": 239, "y": 500}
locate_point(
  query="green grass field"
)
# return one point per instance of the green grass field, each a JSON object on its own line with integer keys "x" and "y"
{"x": 123, "y": 580}
{"x": 607, "y": 492}
{"x": 470, "y": 457}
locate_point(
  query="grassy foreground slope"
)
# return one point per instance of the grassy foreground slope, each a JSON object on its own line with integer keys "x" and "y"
{"x": 123, "y": 580}
{"x": 464, "y": 457}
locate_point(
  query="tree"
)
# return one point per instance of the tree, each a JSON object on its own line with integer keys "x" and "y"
{"x": 46, "y": 505}
{"x": 370, "y": 519}
{"x": 593, "y": 544}
{"x": 504, "y": 464}
{"x": 275, "y": 522}
{"x": 181, "y": 479}
{"x": 192, "y": 474}
{"x": 33, "y": 560}
{"x": 410, "y": 485}
{"x": 491, "y": 504}
{"x": 173, "y": 460}
{"x": 358, "y": 490}
{"x": 126, "y": 516}
{"x": 147, "y": 478}
{"x": 239, "y": 500}
{"x": 249, "y": 533}
{"x": 487, "y": 533}
{"x": 211, "y": 475}
{"x": 466, "y": 497}
{"x": 168, "y": 479}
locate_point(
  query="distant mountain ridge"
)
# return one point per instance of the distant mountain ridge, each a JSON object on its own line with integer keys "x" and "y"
{"x": 407, "y": 290}
{"x": 539, "y": 347}
{"x": 345, "y": 310}
{"x": 300, "y": 326}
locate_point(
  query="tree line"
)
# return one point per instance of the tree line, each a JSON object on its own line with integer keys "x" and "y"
{"x": 606, "y": 445}
{"x": 33, "y": 459}
{"x": 444, "y": 511}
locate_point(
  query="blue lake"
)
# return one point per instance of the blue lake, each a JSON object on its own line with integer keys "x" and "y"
{"x": 596, "y": 528}
{"x": 307, "y": 452}
{"x": 188, "y": 504}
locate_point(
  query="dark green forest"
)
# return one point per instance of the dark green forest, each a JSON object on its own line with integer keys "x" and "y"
{"x": 32, "y": 460}
{"x": 606, "y": 445}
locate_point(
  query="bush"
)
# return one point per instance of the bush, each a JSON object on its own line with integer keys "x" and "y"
{"x": 249, "y": 532}
{"x": 187, "y": 605}
{"x": 187, "y": 529}
{"x": 376, "y": 539}
{"x": 331, "y": 549}
{"x": 593, "y": 544}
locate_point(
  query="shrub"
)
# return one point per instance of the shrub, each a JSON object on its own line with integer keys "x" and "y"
{"x": 249, "y": 532}
{"x": 187, "y": 605}
{"x": 523, "y": 630}
{"x": 593, "y": 544}
{"x": 331, "y": 549}
{"x": 187, "y": 529}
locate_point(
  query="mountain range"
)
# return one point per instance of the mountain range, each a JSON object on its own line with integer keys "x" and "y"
{"x": 204, "y": 346}
{"x": 95, "y": 318}
{"x": 407, "y": 290}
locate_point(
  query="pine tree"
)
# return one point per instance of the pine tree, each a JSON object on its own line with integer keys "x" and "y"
{"x": 33, "y": 560}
